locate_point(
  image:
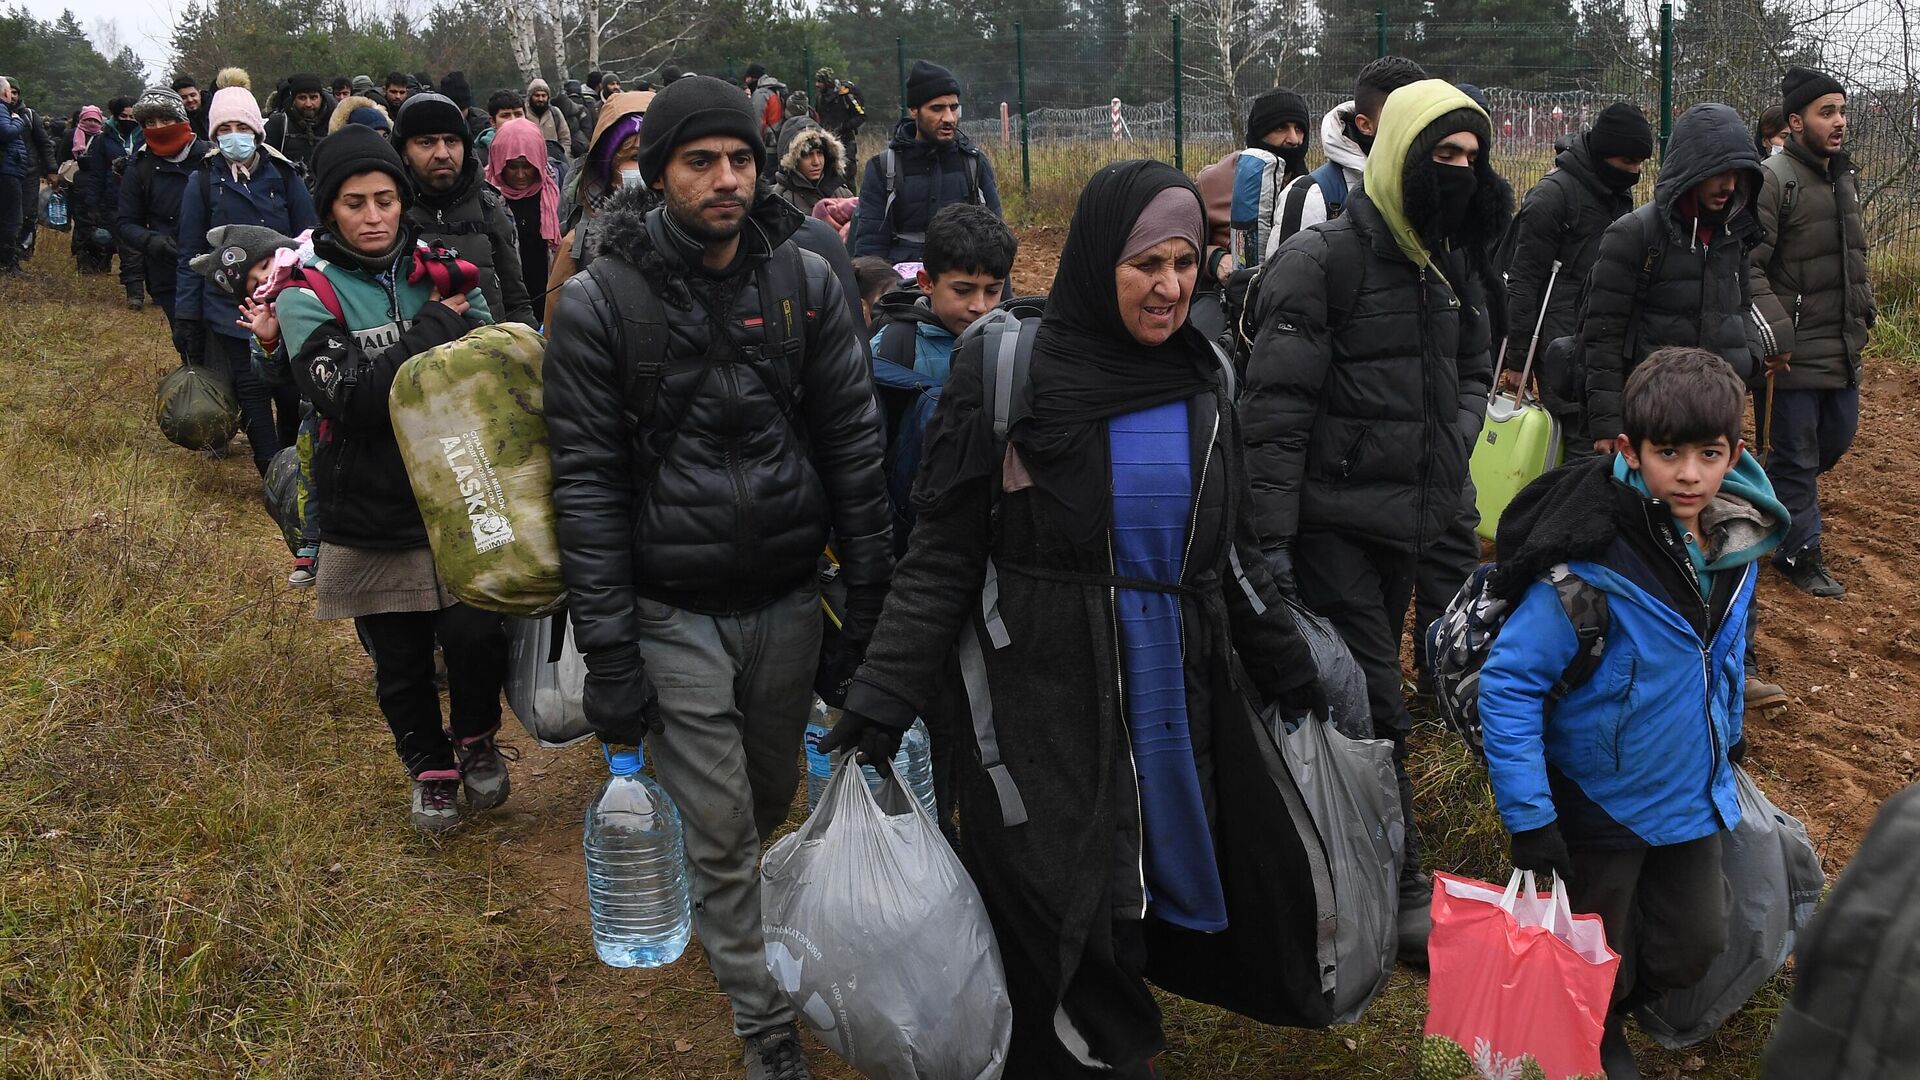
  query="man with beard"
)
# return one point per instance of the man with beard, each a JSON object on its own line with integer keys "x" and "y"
{"x": 1276, "y": 123}
{"x": 694, "y": 491}
{"x": 397, "y": 89}
{"x": 298, "y": 128}
{"x": 189, "y": 92}
{"x": 552, "y": 122}
{"x": 1810, "y": 283}
{"x": 929, "y": 163}
{"x": 1365, "y": 390}
{"x": 454, "y": 207}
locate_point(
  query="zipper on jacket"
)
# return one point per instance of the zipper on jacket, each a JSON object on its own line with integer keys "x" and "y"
{"x": 1126, "y": 734}
{"x": 1193, "y": 522}
{"x": 1426, "y": 419}
{"x": 735, "y": 472}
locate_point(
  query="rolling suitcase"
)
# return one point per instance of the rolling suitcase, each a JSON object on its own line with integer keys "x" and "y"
{"x": 1518, "y": 441}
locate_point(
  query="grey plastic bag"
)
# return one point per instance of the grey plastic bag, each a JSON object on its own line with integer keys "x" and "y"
{"x": 1353, "y": 797}
{"x": 1340, "y": 674}
{"x": 879, "y": 939}
{"x": 544, "y": 692}
{"x": 1774, "y": 880}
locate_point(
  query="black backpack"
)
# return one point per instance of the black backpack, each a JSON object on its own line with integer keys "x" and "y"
{"x": 890, "y": 176}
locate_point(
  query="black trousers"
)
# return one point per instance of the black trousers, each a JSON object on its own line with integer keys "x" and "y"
{"x": 1364, "y": 590}
{"x": 1665, "y": 910}
{"x": 1108, "y": 1009}
{"x": 1445, "y": 565}
{"x": 270, "y": 415}
{"x": 12, "y": 190}
{"x": 401, "y": 644}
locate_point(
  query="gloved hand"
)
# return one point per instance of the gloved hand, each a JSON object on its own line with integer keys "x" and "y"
{"x": 875, "y": 741}
{"x": 1280, "y": 565}
{"x": 1542, "y": 851}
{"x": 190, "y": 339}
{"x": 1309, "y": 697}
{"x": 1737, "y": 753}
{"x": 161, "y": 248}
{"x": 619, "y": 699}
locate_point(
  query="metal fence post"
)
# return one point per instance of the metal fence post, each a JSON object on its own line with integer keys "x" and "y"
{"x": 900, "y": 63}
{"x": 1666, "y": 76}
{"x": 1026, "y": 150}
{"x": 1379, "y": 32}
{"x": 1179, "y": 111}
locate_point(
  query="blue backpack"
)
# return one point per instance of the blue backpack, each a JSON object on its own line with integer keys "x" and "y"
{"x": 1259, "y": 179}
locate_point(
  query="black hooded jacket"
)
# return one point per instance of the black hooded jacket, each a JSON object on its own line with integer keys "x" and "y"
{"x": 1562, "y": 219}
{"x": 473, "y": 220}
{"x": 1698, "y": 292}
{"x": 738, "y": 496}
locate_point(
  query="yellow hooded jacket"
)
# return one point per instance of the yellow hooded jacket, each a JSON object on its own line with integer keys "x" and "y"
{"x": 1406, "y": 114}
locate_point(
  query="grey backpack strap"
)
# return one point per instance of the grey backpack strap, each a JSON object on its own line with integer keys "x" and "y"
{"x": 973, "y": 674}
{"x": 1246, "y": 584}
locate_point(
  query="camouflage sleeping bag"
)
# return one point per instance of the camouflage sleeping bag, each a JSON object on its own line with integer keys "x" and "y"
{"x": 468, "y": 418}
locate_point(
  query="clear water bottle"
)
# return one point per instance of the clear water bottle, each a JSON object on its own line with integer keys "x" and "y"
{"x": 636, "y": 869}
{"x": 57, "y": 210}
{"x": 914, "y": 761}
{"x": 819, "y": 763}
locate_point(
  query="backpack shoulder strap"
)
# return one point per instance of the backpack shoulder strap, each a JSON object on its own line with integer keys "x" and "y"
{"x": 897, "y": 342}
{"x": 1345, "y": 275}
{"x": 1005, "y": 366}
{"x": 890, "y": 176}
{"x": 1586, "y": 608}
{"x": 1294, "y": 204}
{"x": 1642, "y": 285}
{"x": 1332, "y": 180}
{"x": 783, "y": 322}
{"x": 974, "y": 194}
{"x": 640, "y": 332}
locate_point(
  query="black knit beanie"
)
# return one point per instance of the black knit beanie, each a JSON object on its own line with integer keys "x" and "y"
{"x": 347, "y": 153}
{"x": 1621, "y": 130}
{"x": 1276, "y": 107}
{"x": 694, "y": 108}
{"x": 430, "y": 114}
{"x": 928, "y": 81}
{"x": 754, "y": 71}
{"x": 1801, "y": 87}
{"x": 305, "y": 82}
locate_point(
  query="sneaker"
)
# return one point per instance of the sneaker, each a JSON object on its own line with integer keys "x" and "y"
{"x": 1765, "y": 697}
{"x": 435, "y": 809}
{"x": 302, "y": 571}
{"x": 776, "y": 1055}
{"x": 1809, "y": 574}
{"x": 483, "y": 770}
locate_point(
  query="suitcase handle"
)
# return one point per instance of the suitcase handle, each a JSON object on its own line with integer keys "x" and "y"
{"x": 1533, "y": 347}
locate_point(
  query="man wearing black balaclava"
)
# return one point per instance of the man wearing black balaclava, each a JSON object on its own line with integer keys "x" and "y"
{"x": 1561, "y": 220}
{"x": 1276, "y": 123}
{"x": 1368, "y": 379}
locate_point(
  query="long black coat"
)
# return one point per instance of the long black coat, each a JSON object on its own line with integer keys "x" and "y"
{"x": 1562, "y": 218}
{"x": 1053, "y": 883}
{"x": 1699, "y": 292}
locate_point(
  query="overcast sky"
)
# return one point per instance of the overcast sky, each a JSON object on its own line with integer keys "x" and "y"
{"x": 143, "y": 25}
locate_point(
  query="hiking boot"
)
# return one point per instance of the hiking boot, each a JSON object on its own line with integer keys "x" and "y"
{"x": 1809, "y": 574}
{"x": 776, "y": 1055}
{"x": 1764, "y": 698}
{"x": 135, "y": 303}
{"x": 483, "y": 770}
{"x": 1415, "y": 923}
{"x": 1616, "y": 1057}
{"x": 435, "y": 805}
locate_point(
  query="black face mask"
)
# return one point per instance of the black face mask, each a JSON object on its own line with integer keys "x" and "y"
{"x": 1615, "y": 179}
{"x": 1440, "y": 212}
{"x": 1360, "y": 138}
{"x": 1295, "y": 157}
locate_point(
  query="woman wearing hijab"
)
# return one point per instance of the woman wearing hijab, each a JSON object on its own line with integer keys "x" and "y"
{"x": 517, "y": 167}
{"x": 1113, "y": 526}
{"x": 611, "y": 164}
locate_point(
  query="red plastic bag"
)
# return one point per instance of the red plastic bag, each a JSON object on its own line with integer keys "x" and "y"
{"x": 1515, "y": 976}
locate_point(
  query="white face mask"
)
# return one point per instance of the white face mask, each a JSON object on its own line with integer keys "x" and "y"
{"x": 1772, "y": 150}
{"x": 630, "y": 178}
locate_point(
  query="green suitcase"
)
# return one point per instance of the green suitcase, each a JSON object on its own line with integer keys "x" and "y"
{"x": 1519, "y": 439}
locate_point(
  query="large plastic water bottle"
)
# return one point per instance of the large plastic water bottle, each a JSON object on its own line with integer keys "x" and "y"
{"x": 57, "y": 210}
{"x": 914, "y": 761}
{"x": 636, "y": 869}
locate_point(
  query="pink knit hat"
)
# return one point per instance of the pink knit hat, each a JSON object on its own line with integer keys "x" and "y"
{"x": 235, "y": 103}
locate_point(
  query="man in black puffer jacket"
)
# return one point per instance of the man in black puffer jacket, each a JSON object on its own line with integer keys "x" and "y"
{"x": 454, "y": 207}
{"x": 699, "y": 469}
{"x": 1561, "y": 220}
{"x": 933, "y": 164}
{"x": 1365, "y": 389}
{"x": 1674, "y": 272}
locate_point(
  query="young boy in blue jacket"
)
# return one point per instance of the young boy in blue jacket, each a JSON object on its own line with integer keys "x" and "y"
{"x": 1624, "y": 786}
{"x": 969, "y": 255}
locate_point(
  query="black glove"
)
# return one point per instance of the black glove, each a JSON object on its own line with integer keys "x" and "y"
{"x": 619, "y": 700}
{"x": 161, "y": 248}
{"x": 1309, "y": 697}
{"x": 1737, "y": 753}
{"x": 190, "y": 339}
{"x": 1542, "y": 851}
{"x": 1280, "y": 565}
{"x": 875, "y": 741}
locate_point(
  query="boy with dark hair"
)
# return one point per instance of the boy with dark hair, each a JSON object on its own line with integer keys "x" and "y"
{"x": 505, "y": 105}
{"x": 1624, "y": 784}
{"x": 969, "y": 256}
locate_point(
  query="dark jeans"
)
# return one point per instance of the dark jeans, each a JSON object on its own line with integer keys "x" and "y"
{"x": 1446, "y": 564}
{"x": 270, "y": 414}
{"x": 1812, "y": 431}
{"x": 1364, "y": 589}
{"x": 11, "y": 188}
{"x": 1665, "y": 910}
{"x": 401, "y": 644}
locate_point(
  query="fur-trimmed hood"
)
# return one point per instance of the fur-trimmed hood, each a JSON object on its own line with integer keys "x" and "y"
{"x": 632, "y": 226}
{"x": 344, "y": 110}
{"x": 805, "y": 143}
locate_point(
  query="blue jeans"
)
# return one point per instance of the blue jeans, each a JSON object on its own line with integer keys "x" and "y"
{"x": 1812, "y": 430}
